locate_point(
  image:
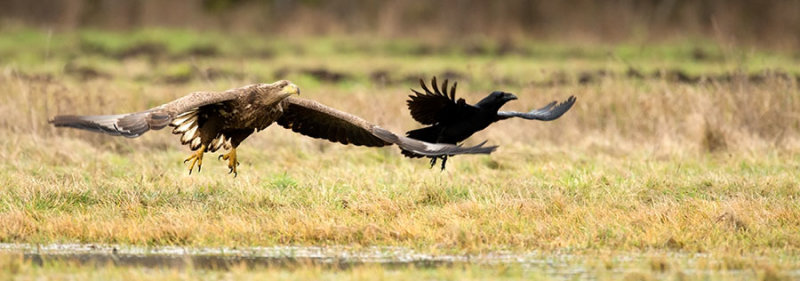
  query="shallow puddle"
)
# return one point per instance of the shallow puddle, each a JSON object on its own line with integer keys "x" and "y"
{"x": 560, "y": 266}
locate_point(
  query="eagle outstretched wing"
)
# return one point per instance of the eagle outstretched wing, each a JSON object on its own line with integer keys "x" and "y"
{"x": 549, "y": 112}
{"x": 436, "y": 106}
{"x": 316, "y": 120}
{"x": 135, "y": 124}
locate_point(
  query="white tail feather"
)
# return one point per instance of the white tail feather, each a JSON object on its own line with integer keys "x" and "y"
{"x": 183, "y": 127}
{"x": 218, "y": 142}
{"x": 181, "y": 119}
{"x": 195, "y": 143}
{"x": 189, "y": 135}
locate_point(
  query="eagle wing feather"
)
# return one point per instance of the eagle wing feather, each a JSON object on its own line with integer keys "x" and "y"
{"x": 316, "y": 120}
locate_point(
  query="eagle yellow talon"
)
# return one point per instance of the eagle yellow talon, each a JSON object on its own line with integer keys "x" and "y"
{"x": 232, "y": 163}
{"x": 196, "y": 158}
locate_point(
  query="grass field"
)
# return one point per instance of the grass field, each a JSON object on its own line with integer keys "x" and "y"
{"x": 672, "y": 149}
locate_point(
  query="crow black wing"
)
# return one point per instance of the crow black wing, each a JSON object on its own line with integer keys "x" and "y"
{"x": 436, "y": 106}
{"x": 549, "y": 112}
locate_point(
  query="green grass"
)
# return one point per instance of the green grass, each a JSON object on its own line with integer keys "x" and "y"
{"x": 25, "y": 48}
{"x": 637, "y": 165}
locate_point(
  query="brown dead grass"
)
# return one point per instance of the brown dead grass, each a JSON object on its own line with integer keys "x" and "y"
{"x": 636, "y": 164}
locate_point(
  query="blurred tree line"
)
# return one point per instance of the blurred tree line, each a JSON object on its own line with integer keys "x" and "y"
{"x": 769, "y": 22}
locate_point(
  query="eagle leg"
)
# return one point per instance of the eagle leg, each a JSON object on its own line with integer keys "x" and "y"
{"x": 197, "y": 158}
{"x": 232, "y": 162}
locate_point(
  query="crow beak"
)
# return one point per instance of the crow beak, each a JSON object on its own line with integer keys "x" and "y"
{"x": 510, "y": 96}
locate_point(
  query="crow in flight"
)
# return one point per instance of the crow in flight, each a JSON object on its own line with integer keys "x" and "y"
{"x": 452, "y": 121}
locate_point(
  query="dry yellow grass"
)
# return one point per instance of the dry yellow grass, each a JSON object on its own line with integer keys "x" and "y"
{"x": 624, "y": 171}
{"x": 637, "y": 164}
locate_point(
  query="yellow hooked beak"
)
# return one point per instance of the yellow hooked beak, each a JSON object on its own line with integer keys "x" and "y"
{"x": 290, "y": 89}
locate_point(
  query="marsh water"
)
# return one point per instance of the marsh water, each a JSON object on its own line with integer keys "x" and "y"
{"x": 558, "y": 265}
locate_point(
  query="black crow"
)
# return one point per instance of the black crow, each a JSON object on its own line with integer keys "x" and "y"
{"x": 452, "y": 121}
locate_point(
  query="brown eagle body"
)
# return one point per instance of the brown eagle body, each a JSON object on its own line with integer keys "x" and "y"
{"x": 208, "y": 121}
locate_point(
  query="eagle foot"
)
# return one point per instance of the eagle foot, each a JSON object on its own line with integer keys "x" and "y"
{"x": 197, "y": 158}
{"x": 232, "y": 162}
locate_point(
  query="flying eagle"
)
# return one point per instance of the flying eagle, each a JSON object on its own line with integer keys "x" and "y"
{"x": 452, "y": 121}
{"x": 209, "y": 121}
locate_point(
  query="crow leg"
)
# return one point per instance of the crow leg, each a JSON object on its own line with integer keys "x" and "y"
{"x": 433, "y": 160}
{"x": 444, "y": 160}
{"x": 197, "y": 158}
{"x": 232, "y": 162}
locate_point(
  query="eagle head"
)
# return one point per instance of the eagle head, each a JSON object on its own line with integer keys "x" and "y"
{"x": 271, "y": 94}
{"x": 289, "y": 89}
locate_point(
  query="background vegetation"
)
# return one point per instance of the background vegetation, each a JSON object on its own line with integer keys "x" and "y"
{"x": 772, "y": 24}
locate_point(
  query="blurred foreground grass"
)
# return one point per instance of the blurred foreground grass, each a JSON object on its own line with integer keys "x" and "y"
{"x": 677, "y": 148}
{"x": 599, "y": 267}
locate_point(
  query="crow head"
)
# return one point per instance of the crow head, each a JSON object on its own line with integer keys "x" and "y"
{"x": 495, "y": 100}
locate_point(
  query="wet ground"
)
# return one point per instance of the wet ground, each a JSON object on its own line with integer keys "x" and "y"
{"x": 554, "y": 265}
